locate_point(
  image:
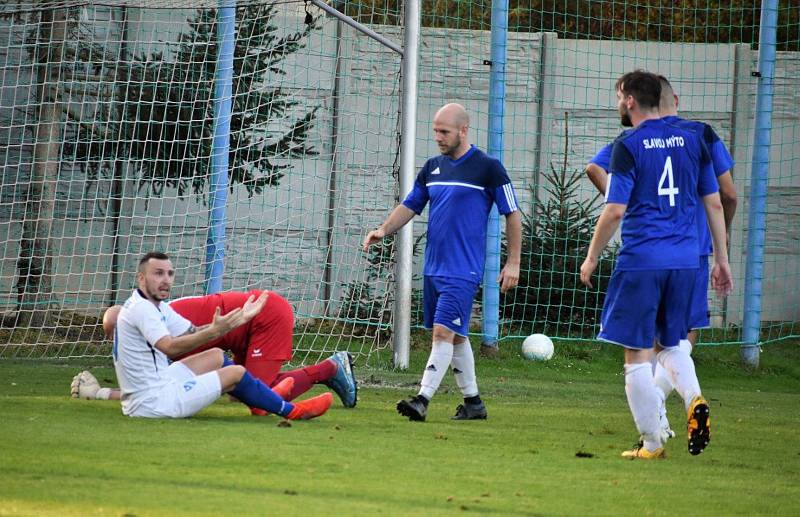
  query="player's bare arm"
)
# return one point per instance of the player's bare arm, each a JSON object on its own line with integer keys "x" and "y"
{"x": 251, "y": 308}
{"x": 396, "y": 220}
{"x": 607, "y": 225}
{"x": 598, "y": 176}
{"x": 727, "y": 195}
{"x": 175, "y": 346}
{"x": 221, "y": 325}
{"x": 509, "y": 276}
{"x": 721, "y": 278}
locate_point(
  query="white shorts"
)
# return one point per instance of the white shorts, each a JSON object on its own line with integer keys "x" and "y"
{"x": 184, "y": 396}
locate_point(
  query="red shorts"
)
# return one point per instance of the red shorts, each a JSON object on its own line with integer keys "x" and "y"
{"x": 267, "y": 337}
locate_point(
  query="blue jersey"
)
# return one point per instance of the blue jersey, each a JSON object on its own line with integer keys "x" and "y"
{"x": 660, "y": 171}
{"x": 603, "y": 157}
{"x": 722, "y": 162}
{"x": 461, "y": 193}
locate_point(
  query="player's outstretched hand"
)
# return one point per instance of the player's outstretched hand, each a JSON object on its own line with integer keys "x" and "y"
{"x": 587, "y": 268}
{"x": 373, "y": 237}
{"x": 509, "y": 277}
{"x": 223, "y": 324}
{"x": 722, "y": 279}
{"x": 254, "y": 305}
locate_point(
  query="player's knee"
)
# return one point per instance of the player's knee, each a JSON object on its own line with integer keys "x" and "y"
{"x": 230, "y": 376}
{"x": 214, "y": 354}
{"x": 442, "y": 333}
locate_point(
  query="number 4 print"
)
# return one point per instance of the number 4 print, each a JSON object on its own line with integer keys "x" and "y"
{"x": 666, "y": 176}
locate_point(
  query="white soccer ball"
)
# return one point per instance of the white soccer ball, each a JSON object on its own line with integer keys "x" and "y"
{"x": 537, "y": 347}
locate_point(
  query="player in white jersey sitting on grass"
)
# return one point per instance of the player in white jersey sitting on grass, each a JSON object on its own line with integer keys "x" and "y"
{"x": 262, "y": 345}
{"x": 461, "y": 184}
{"x": 659, "y": 172}
{"x": 149, "y": 331}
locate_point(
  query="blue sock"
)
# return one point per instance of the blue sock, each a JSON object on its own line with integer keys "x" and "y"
{"x": 255, "y": 393}
{"x": 226, "y": 361}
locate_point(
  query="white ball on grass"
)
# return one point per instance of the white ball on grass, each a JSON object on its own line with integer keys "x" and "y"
{"x": 537, "y": 347}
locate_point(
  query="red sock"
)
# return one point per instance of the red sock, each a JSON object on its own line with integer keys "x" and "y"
{"x": 305, "y": 378}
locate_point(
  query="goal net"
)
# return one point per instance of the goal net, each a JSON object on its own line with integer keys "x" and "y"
{"x": 107, "y": 131}
{"x": 107, "y": 151}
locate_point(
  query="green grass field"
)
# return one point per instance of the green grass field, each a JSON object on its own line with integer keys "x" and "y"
{"x": 550, "y": 447}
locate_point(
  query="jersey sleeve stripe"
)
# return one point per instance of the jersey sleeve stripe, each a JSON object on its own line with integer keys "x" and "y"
{"x": 510, "y": 199}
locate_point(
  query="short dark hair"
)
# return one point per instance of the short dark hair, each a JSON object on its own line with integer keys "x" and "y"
{"x": 667, "y": 93}
{"x": 643, "y": 86}
{"x": 152, "y": 255}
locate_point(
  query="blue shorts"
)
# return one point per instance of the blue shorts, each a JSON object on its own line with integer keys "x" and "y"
{"x": 643, "y": 305}
{"x": 698, "y": 318}
{"x": 448, "y": 302}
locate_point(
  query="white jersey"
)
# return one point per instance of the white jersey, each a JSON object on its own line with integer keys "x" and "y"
{"x": 140, "y": 366}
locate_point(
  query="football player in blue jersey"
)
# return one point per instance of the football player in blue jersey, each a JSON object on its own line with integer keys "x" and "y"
{"x": 461, "y": 185}
{"x": 659, "y": 173}
{"x": 722, "y": 163}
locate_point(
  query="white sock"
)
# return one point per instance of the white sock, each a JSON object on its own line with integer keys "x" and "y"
{"x": 680, "y": 367}
{"x": 103, "y": 394}
{"x": 643, "y": 399}
{"x": 464, "y": 369}
{"x": 664, "y": 388}
{"x": 662, "y": 381}
{"x": 438, "y": 363}
{"x": 661, "y": 376}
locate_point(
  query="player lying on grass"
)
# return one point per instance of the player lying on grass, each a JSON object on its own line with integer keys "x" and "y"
{"x": 722, "y": 162}
{"x": 149, "y": 331}
{"x": 262, "y": 346}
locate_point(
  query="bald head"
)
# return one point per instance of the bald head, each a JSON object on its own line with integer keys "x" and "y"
{"x": 450, "y": 128}
{"x": 453, "y": 114}
{"x": 668, "y": 105}
{"x": 110, "y": 320}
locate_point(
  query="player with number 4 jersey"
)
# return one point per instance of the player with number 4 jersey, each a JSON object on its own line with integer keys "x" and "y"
{"x": 722, "y": 162}
{"x": 659, "y": 173}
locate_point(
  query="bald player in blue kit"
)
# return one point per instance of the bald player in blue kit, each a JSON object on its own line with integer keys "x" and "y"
{"x": 460, "y": 186}
{"x": 659, "y": 173}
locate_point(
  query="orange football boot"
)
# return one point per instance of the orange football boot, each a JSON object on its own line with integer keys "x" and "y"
{"x": 311, "y": 408}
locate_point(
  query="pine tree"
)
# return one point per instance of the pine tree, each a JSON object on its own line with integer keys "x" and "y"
{"x": 96, "y": 107}
{"x": 165, "y": 126}
{"x": 555, "y": 236}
